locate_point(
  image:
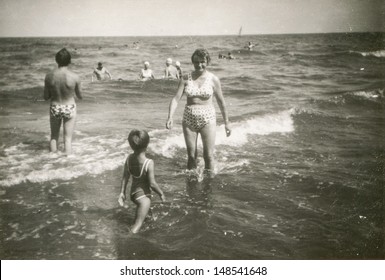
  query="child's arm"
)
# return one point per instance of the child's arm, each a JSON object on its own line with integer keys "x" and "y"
{"x": 151, "y": 178}
{"x": 125, "y": 178}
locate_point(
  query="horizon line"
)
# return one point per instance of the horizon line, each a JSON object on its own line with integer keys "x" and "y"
{"x": 230, "y": 35}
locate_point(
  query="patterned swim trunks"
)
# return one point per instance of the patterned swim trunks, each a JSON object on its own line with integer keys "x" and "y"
{"x": 197, "y": 117}
{"x": 62, "y": 111}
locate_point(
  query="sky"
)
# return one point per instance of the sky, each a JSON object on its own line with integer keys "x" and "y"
{"x": 41, "y": 18}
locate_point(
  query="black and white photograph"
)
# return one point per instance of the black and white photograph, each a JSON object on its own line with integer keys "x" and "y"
{"x": 192, "y": 130}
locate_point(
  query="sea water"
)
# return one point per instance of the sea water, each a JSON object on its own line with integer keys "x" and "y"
{"x": 301, "y": 176}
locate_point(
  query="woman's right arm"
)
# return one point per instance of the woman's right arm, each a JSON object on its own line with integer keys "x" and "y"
{"x": 174, "y": 104}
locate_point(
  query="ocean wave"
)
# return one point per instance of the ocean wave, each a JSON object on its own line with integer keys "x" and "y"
{"x": 92, "y": 155}
{"x": 29, "y": 162}
{"x": 167, "y": 144}
{"x": 379, "y": 53}
{"x": 370, "y": 99}
{"x": 369, "y": 95}
{"x": 246, "y": 52}
{"x": 362, "y": 97}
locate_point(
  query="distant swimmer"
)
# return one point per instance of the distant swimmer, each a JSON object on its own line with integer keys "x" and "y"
{"x": 135, "y": 45}
{"x": 250, "y": 46}
{"x": 146, "y": 73}
{"x": 60, "y": 86}
{"x": 100, "y": 73}
{"x": 170, "y": 72}
{"x": 230, "y": 56}
{"x": 221, "y": 56}
{"x": 179, "y": 68}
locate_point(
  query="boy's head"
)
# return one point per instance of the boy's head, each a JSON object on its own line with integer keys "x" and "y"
{"x": 138, "y": 139}
{"x": 63, "y": 57}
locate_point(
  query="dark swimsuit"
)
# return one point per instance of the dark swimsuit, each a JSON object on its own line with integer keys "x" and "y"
{"x": 140, "y": 187}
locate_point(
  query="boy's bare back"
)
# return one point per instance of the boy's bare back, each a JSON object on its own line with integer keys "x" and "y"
{"x": 60, "y": 86}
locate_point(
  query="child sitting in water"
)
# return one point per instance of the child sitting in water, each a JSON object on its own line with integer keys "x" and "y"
{"x": 143, "y": 178}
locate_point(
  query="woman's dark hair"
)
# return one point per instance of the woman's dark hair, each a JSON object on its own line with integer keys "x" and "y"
{"x": 202, "y": 53}
{"x": 63, "y": 57}
{"x": 138, "y": 139}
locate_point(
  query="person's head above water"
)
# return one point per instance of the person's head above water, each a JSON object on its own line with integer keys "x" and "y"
{"x": 63, "y": 57}
{"x": 138, "y": 139}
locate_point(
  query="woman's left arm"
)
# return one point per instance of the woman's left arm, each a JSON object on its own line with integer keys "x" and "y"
{"x": 221, "y": 103}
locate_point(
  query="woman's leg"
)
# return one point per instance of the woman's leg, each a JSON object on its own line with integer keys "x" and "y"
{"x": 208, "y": 134}
{"x": 191, "y": 138}
{"x": 142, "y": 207}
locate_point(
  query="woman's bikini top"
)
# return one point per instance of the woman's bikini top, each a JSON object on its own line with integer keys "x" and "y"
{"x": 205, "y": 91}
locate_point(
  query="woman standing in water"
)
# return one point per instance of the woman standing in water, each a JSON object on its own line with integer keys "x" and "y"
{"x": 199, "y": 115}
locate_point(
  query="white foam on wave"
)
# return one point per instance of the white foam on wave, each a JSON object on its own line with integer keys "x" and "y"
{"x": 368, "y": 94}
{"x": 165, "y": 142}
{"x": 91, "y": 155}
{"x": 379, "y": 53}
{"x": 281, "y": 122}
{"x": 97, "y": 154}
{"x": 224, "y": 165}
{"x": 168, "y": 143}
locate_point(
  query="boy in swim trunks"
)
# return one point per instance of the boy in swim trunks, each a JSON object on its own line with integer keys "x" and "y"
{"x": 141, "y": 169}
{"x": 60, "y": 86}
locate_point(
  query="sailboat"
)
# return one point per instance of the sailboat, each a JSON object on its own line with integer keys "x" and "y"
{"x": 240, "y": 32}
